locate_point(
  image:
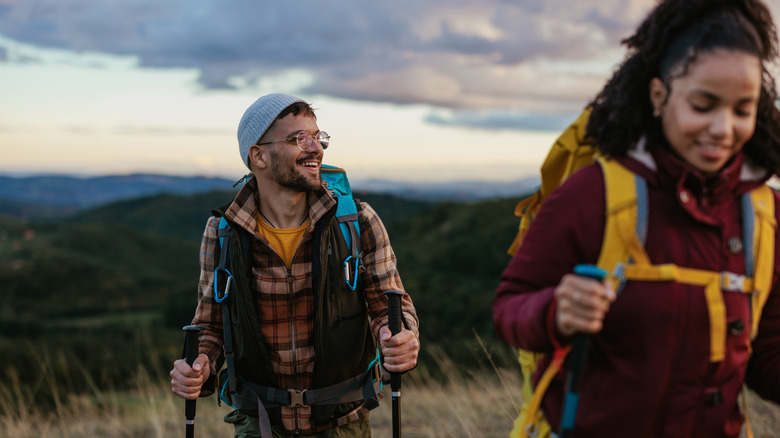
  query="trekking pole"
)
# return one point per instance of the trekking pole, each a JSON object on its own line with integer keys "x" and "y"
{"x": 394, "y": 322}
{"x": 190, "y": 353}
{"x": 579, "y": 351}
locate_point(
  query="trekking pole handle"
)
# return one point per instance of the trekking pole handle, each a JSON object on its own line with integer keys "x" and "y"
{"x": 579, "y": 350}
{"x": 190, "y": 353}
{"x": 394, "y": 310}
{"x": 580, "y": 340}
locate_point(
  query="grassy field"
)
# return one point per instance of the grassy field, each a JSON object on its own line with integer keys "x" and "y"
{"x": 481, "y": 404}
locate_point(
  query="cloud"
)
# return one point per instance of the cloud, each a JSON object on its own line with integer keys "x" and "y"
{"x": 503, "y": 120}
{"x": 157, "y": 131}
{"x": 549, "y": 56}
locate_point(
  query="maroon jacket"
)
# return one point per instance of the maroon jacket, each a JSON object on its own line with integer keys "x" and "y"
{"x": 648, "y": 372}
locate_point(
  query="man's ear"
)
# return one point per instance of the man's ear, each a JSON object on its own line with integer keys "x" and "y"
{"x": 258, "y": 157}
{"x": 658, "y": 95}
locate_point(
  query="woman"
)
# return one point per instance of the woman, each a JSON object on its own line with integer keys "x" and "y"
{"x": 691, "y": 112}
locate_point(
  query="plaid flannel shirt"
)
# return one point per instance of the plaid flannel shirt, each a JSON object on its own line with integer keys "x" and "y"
{"x": 285, "y": 302}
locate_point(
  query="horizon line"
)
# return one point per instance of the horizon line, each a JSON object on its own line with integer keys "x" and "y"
{"x": 76, "y": 175}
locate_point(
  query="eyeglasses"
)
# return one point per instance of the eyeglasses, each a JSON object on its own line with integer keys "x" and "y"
{"x": 304, "y": 140}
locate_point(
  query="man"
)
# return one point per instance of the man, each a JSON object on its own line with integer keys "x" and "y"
{"x": 296, "y": 323}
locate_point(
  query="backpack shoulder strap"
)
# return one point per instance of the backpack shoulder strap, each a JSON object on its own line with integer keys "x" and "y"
{"x": 759, "y": 228}
{"x": 222, "y": 270}
{"x": 347, "y": 217}
{"x": 625, "y": 229}
{"x": 758, "y": 211}
{"x": 223, "y": 235}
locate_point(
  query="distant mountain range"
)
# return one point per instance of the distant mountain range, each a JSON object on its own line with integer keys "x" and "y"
{"x": 75, "y": 193}
{"x": 70, "y": 191}
{"x": 466, "y": 191}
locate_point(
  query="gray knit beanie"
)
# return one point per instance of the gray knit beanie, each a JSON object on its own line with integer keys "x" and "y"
{"x": 258, "y": 118}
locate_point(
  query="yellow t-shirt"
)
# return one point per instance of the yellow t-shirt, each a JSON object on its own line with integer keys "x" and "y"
{"x": 284, "y": 241}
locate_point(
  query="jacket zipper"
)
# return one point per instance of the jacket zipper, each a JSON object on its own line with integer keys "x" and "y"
{"x": 292, "y": 320}
{"x": 292, "y": 332}
{"x": 292, "y": 328}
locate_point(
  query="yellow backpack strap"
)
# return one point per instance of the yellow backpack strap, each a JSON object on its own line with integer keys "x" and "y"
{"x": 713, "y": 283}
{"x": 626, "y": 219}
{"x": 759, "y": 229}
{"x": 531, "y": 423}
{"x": 530, "y": 418}
{"x": 525, "y": 210}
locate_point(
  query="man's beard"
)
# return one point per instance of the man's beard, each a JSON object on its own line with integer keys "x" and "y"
{"x": 289, "y": 177}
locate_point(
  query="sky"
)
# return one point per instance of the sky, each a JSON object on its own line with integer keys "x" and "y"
{"x": 432, "y": 90}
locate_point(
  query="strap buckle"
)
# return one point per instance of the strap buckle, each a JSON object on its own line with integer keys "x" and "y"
{"x": 732, "y": 282}
{"x": 619, "y": 272}
{"x": 296, "y": 398}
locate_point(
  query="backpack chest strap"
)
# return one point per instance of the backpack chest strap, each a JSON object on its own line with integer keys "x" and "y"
{"x": 714, "y": 284}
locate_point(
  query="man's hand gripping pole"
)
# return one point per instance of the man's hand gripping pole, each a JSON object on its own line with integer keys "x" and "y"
{"x": 190, "y": 353}
{"x": 394, "y": 323}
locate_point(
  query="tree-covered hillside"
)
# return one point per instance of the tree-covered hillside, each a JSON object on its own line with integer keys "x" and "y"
{"x": 99, "y": 285}
{"x": 450, "y": 257}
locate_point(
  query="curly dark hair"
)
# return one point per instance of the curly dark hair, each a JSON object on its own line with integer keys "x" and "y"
{"x": 668, "y": 41}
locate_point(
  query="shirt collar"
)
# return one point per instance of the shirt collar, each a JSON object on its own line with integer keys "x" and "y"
{"x": 243, "y": 210}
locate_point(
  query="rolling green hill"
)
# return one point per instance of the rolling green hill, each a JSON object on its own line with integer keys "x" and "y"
{"x": 172, "y": 215}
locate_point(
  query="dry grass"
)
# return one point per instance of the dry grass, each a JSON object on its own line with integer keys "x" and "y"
{"x": 764, "y": 417}
{"x": 480, "y": 404}
{"x": 475, "y": 407}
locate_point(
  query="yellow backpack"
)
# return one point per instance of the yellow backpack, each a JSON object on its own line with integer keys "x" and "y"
{"x": 624, "y": 258}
